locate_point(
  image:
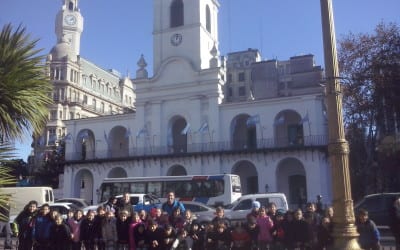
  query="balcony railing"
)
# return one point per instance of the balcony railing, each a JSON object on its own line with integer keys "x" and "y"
{"x": 267, "y": 144}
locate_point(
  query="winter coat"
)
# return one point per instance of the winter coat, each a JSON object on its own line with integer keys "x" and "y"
{"x": 140, "y": 237}
{"x": 25, "y": 224}
{"x": 369, "y": 234}
{"x": 131, "y": 235}
{"x": 88, "y": 230}
{"x": 98, "y": 223}
{"x": 157, "y": 235}
{"x": 265, "y": 224}
{"x": 324, "y": 236}
{"x": 60, "y": 236}
{"x": 75, "y": 226}
{"x": 123, "y": 231}
{"x": 169, "y": 208}
{"x": 223, "y": 239}
{"x": 109, "y": 229}
{"x": 240, "y": 240}
{"x": 41, "y": 229}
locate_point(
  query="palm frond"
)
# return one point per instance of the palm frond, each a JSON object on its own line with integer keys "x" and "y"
{"x": 25, "y": 89}
{"x": 6, "y": 154}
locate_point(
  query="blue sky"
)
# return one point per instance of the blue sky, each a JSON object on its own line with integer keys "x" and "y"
{"x": 116, "y": 34}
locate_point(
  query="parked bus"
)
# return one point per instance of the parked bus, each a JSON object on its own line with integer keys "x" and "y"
{"x": 20, "y": 196}
{"x": 209, "y": 189}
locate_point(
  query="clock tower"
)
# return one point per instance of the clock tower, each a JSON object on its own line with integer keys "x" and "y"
{"x": 69, "y": 25}
{"x": 187, "y": 29}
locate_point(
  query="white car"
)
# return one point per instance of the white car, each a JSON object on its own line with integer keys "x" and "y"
{"x": 63, "y": 208}
{"x": 239, "y": 209}
{"x": 82, "y": 203}
{"x": 202, "y": 212}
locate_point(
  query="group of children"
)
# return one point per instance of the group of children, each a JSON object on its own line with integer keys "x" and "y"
{"x": 116, "y": 228}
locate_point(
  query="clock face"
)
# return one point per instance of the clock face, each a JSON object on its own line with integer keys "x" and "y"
{"x": 176, "y": 39}
{"x": 70, "y": 19}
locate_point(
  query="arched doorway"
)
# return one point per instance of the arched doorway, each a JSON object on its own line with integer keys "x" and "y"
{"x": 176, "y": 170}
{"x": 178, "y": 133}
{"x": 248, "y": 176}
{"x": 118, "y": 142}
{"x": 83, "y": 185}
{"x": 244, "y": 134}
{"x": 288, "y": 129}
{"x": 292, "y": 181}
{"x": 117, "y": 173}
{"x": 85, "y": 145}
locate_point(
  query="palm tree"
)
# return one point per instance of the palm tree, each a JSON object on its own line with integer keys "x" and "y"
{"x": 25, "y": 94}
{"x": 25, "y": 90}
{"x": 5, "y": 177}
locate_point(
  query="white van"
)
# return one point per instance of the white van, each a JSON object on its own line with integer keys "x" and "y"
{"x": 20, "y": 196}
{"x": 239, "y": 209}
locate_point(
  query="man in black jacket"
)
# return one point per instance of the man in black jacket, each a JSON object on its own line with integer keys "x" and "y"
{"x": 125, "y": 204}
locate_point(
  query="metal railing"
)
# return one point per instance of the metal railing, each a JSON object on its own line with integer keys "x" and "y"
{"x": 266, "y": 144}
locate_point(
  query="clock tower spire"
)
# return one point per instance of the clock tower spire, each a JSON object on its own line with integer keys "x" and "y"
{"x": 186, "y": 29}
{"x": 69, "y": 25}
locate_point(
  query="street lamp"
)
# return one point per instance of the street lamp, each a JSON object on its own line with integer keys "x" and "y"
{"x": 344, "y": 232}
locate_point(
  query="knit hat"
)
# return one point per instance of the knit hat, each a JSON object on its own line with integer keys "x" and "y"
{"x": 256, "y": 204}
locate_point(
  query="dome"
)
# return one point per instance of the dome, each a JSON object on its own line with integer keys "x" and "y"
{"x": 61, "y": 50}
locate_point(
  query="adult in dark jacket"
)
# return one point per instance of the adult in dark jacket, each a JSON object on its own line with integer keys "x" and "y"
{"x": 60, "y": 234}
{"x": 24, "y": 223}
{"x": 369, "y": 234}
{"x": 41, "y": 229}
{"x": 124, "y": 204}
{"x": 88, "y": 232}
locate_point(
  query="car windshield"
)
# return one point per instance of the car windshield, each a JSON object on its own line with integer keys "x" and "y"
{"x": 230, "y": 206}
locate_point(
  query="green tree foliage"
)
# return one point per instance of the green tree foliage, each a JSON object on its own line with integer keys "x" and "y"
{"x": 6, "y": 178}
{"x": 370, "y": 65}
{"x": 25, "y": 90}
{"x": 53, "y": 165}
{"x": 25, "y": 94}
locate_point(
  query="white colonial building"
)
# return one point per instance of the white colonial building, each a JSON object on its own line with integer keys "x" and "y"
{"x": 201, "y": 113}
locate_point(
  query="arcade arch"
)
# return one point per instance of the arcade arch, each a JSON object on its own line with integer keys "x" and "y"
{"x": 83, "y": 185}
{"x": 292, "y": 170}
{"x": 179, "y": 129}
{"x": 248, "y": 176}
{"x": 118, "y": 142}
{"x": 117, "y": 173}
{"x": 288, "y": 129}
{"x": 243, "y": 134}
{"x": 176, "y": 170}
{"x": 85, "y": 144}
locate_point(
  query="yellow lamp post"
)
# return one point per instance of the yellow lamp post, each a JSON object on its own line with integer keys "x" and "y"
{"x": 344, "y": 232}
